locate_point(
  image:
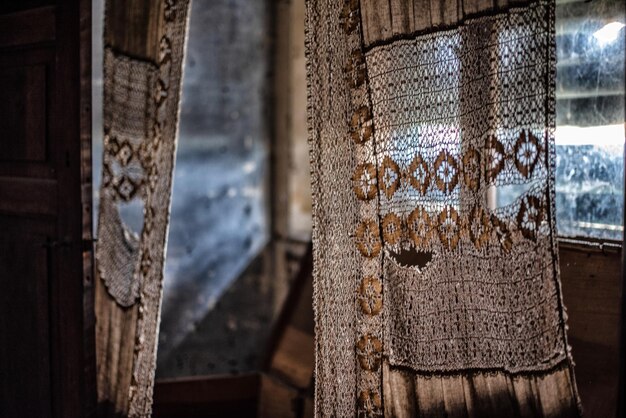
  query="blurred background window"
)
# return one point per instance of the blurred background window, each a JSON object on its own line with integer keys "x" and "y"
{"x": 219, "y": 219}
{"x": 217, "y": 305}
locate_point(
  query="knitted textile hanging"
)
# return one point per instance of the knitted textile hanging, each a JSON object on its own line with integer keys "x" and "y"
{"x": 141, "y": 105}
{"x": 437, "y": 287}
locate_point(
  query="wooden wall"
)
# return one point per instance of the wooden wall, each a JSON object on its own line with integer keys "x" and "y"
{"x": 591, "y": 277}
{"x": 47, "y": 366}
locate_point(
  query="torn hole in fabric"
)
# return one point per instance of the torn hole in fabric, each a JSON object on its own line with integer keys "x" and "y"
{"x": 412, "y": 257}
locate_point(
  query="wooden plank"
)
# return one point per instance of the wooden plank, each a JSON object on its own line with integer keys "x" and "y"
{"x": 295, "y": 358}
{"x": 23, "y": 124}
{"x": 402, "y": 405}
{"x": 291, "y": 358}
{"x": 207, "y": 388}
{"x": 215, "y": 396}
{"x": 85, "y": 113}
{"x": 115, "y": 331}
{"x": 41, "y": 184}
{"x": 28, "y": 27}
{"x": 591, "y": 292}
{"x": 296, "y": 315}
{"x": 477, "y": 394}
{"x": 28, "y": 196}
{"x": 309, "y": 408}
{"x": 27, "y": 84}
{"x": 279, "y": 109}
{"x": 134, "y": 27}
{"x": 383, "y": 20}
{"x": 7, "y": 7}
{"x": 24, "y": 318}
{"x": 239, "y": 409}
{"x": 278, "y": 399}
{"x": 71, "y": 322}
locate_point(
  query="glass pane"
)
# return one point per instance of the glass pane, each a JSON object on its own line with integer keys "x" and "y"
{"x": 219, "y": 201}
{"x": 590, "y": 117}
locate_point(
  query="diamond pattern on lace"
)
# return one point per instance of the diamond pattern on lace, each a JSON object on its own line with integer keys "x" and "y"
{"x": 458, "y": 115}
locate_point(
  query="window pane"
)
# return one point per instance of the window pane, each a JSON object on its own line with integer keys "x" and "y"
{"x": 219, "y": 209}
{"x": 590, "y": 117}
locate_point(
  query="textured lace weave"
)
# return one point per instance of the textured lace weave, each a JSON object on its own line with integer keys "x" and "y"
{"x": 129, "y": 123}
{"x": 141, "y": 106}
{"x": 440, "y": 145}
{"x": 459, "y": 116}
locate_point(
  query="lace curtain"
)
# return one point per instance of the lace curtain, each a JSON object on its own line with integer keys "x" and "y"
{"x": 143, "y": 55}
{"x": 437, "y": 287}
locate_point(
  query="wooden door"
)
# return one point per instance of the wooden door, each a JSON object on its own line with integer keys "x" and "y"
{"x": 46, "y": 313}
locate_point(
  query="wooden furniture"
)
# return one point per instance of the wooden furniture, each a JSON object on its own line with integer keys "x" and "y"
{"x": 47, "y": 366}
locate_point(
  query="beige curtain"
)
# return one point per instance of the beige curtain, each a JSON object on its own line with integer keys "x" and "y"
{"x": 143, "y": 55}
{"x": 437, "y": 288}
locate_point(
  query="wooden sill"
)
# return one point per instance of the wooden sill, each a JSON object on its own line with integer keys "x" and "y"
{"x": 207, "y": 396}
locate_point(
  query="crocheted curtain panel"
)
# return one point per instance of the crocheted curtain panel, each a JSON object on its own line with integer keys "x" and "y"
{"x": 140, "y": 118}
{"x": 437, "y": 287}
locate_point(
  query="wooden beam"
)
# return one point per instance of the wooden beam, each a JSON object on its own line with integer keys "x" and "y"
{"x": 214, "y": 396}
{"x": 134, "y": 27}
{"x": 28, "y": 27}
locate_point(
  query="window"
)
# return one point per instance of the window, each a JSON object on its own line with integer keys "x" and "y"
{"x": 590, "y": 119}
{"x": 219, "y": 219}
